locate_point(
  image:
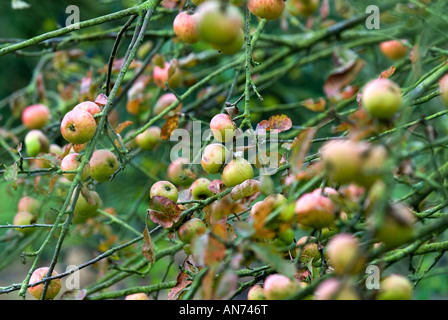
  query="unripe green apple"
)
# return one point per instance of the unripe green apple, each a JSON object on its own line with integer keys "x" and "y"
{"x": 397, "y": 227}
{"x": 78, "y": 126}
{"x": 343, "y": 159}
{"x": 256, "y": 293}
{"x": 315, "y": 210}
{"x": 164, "y": 189}
{"x": 219, "y": 22}
{"x": 345, "y": 255}
{"x": 90, "y": 107}
{"x": 284, "y": 238}
{"x": 35, "y": 116}
{"x": 266, "y": 9}
{"x": 148, "y": 139}
{"x": 164, "y": 102}
{"x": 373, "y": 164}
{"x": 303, "y": 8}
{"x": 84, "y": 210}
{"x": 28, "y": 204}
{"x": 279, "y": 287}
{"x": 36, "y": 142}
{"x": 71, "y": 163}
{"x": 103, "y": 164}
{"x": 137, "y": 296}
{"x": 395, "y": 287}
{"x": 185, "y": 26}
{"x": 237, "y": 171}
{"x": 214, "y": 157}
{"x": 222, "y": 127}
{"x": 53, "y": 287}
{"x": 24, "y": 218}
{"x": 381, "y": 98}
{"x": 199, "y": 189}
{"x": 309, "y": 250}
{"x": 333, "y": 289}
{"x": 394, "y": 49}
{"x": 191, "y": 229}
{"x": 178, "y": 172}
{"x": 233, "y": 46}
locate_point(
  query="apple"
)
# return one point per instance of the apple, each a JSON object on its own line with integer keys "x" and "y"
{"x": 24, "y": 218}
{"x": 308, "y": 249}
{"x": 303, "y": 8}
{"x": 256, "y": 293}
{"x": 148, "y": 139}
{"x": 53, "y": 287}
{"x": 78, "y": 126}
{"x": 103, "y": 164}
{"x": 191, "y": 229}
{"x": 222, "y": 127}
{"x": 343, "y": 159}
{"x": 178, "y": 172}
{"x": 71, "y": 163}
{"x": 397, "y": 227}
{"x": 214, "y": 157}
{"x": 334, "y": 289}
{"x": 36, "y": 142}
{"x": 237, "y": 171}
{"x": 316, "y": 210}
{"x": 55, "y": 149}
{"x": 219, "y": 22}
{"x": 233, "y": 46}
{"x": 185, "y": 26}
{"x": 395, "y": 287}
{"x": 199, "y": 189}
{"x": 381, "y": 98}
{"x": 84, "y": 210}
{"x": 373, "y": 163}
{"x": 266, "y": 9}
{"x": 344, "y": 254}
{"x": 29, "y": 204}
{"x": 164, "y": 189}
{"x": 443, "y": 84}
{"x": 79, "y": 147}
{"x": 279, "y": 287}
{"x": 137, "y": 296}
{"x": 394, "y": 49}
{"x": 163, "y": 75}
{"x": 90, "y": 107}
{"x": 35, "y": 116}
{"x": 164, "y": 102}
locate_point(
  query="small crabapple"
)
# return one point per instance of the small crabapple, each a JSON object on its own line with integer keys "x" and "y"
{"x": 54, "y": 285}
{"x": 78, "y": 126}
{"x": 164, "y": 189}
{"x": 191, "y": 229}
{"x": 35, "y": 116}
{"x": 103, "y": 164}
{"x": 381, "y": 98}
{"x": 237, "y": 171}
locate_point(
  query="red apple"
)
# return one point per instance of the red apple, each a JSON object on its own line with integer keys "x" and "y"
{"x": 267, "y": 9}
{"x": 222, "y": 127}
{"x": 214, "y": 157}
{"x": 185, "y": 27}
{"x": 35, "y": 116}
{"x": 137, "y": 296}
{"x": 279, "y": 287}
{"x": 53, "y": 287}
{"x": 381, "y": 98}
{"x": 90, "y": 107}
{"x": 71, "y": 163}
{"x": 78, "y": 126}
{"x": 256, "y": 293}
{"x": 103, "y": 164}
{"x": 333, "y": 289}
{"x": 394, "y": 49}
{"x": 168, "y": 74}
{"x": 164, "y": 102}
{"x": 316, "y": 210}
{"x": 28, "y": 204}
{"x": 179, "y": 174}
{"x": 345, "y": 255}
